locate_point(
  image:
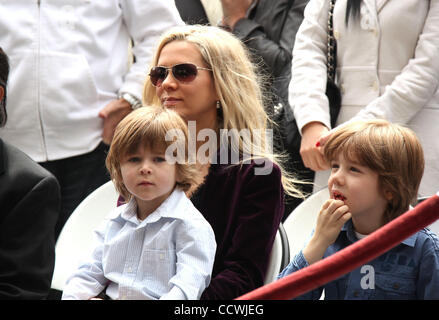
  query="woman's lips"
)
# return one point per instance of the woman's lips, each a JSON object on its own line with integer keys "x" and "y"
{"x": 169, "y": 102}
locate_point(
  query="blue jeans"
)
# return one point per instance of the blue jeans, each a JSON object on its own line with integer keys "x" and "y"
{"x": 78, "y": 176}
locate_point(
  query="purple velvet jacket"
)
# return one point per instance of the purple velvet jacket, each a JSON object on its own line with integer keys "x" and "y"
{"x": 244, "y": 211}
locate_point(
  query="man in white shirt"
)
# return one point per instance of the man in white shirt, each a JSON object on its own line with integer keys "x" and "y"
{"x": 71, "y": 81}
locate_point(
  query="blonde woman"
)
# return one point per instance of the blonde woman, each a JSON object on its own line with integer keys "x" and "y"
{"x": 205, "y": 75}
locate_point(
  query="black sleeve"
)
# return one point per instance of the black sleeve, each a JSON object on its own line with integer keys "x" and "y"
{"x": 276, "y": 51}
{"x": 192, "y": 11}
{"x": 27, "y": 243}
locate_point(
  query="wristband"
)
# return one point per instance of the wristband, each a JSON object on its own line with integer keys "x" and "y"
{"x": 131, "y": 99}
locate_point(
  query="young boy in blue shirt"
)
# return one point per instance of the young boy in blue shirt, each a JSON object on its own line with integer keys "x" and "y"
{"x": 376, "y": 169}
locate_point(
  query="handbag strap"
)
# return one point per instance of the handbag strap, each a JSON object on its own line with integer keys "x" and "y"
{"x": 332, "y": 45}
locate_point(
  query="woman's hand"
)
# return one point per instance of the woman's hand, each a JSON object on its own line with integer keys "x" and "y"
{"x": 324, "y": 138}
{"x": 310, "y": 149}
{"x": 333, "y": 215}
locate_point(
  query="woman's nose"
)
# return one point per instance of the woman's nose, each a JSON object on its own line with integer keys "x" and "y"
{"x": 169, "y": 82}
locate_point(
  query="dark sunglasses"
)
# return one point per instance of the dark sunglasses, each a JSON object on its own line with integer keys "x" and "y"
{"x": 183, "y": 72}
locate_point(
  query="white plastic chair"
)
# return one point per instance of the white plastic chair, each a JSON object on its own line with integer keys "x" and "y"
{"x": 76, "y": 238}
{"x": 279, "y": 256}
{"x": 300, "y": 223}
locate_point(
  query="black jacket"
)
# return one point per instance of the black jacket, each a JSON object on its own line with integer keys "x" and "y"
{"x": 29, "y": 208}
{"x": 269, "y": 32}
{"x": 192, "y": 11}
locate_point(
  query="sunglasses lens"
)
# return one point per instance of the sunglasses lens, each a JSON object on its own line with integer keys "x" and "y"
{"x": 157, "y": 75}
{"x": 185, "y": 72}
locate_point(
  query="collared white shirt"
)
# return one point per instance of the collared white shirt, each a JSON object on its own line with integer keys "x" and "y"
{"x": 169, "y": 255}
{"x": 68, "y": 60}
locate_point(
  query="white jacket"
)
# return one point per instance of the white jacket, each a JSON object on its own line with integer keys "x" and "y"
{"x": 68, "y": 60}
{"x": 387, "y": 67}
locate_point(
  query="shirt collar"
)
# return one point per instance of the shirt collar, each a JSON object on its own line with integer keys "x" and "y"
{"x": 170, "y": 208}
{"x": 348, "y": 228}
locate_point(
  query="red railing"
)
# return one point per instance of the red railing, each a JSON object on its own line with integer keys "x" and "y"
{"x": 351, "y": 257}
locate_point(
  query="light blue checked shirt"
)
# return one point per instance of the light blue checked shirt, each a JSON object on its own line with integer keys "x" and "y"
{"x": 169, "y": 255}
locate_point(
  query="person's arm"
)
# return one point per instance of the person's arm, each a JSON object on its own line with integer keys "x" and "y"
{"x": 307, "y": 87}
{"x": 195, "y": 249}
{"x": 333, "y": 215}
{"x": 146, "y": 20}
{"x": 27, "y": 242}
{"x": 255, "y": 222}
{"x": 299, "y": 262}
{"x": 427, "y": 285}
{"x": 414, "y": 87}
{"x": 88, "y": 280}
{"x": 275, "y": 52}
{"x": 160, "y": 16}
{"x": 306, "y": 92}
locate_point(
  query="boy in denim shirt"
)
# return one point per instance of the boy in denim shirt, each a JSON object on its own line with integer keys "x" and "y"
{"x": 376, "y": 169}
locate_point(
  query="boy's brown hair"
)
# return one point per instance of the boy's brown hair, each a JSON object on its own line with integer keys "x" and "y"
{"x": 148, "y": 126}
{"x": 391, "y": 150}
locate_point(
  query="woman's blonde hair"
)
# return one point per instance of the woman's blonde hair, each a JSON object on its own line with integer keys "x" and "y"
{"x": 391, "y": 150}
{"x": 238, "y": 88}
{"x": 148, "y": 127}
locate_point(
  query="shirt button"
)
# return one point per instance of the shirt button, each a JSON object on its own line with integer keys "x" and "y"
{"x": 342, "y": 89}
{"x": 356, "y": 294}
{"x": 396, "y": 286}
{"x": 375, "y": 86}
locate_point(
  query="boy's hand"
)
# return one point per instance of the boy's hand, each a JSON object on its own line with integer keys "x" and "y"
{"x": 333, "y": 215}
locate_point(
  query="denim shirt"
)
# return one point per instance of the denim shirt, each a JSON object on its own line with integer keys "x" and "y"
{"x": 408, "y": 271}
